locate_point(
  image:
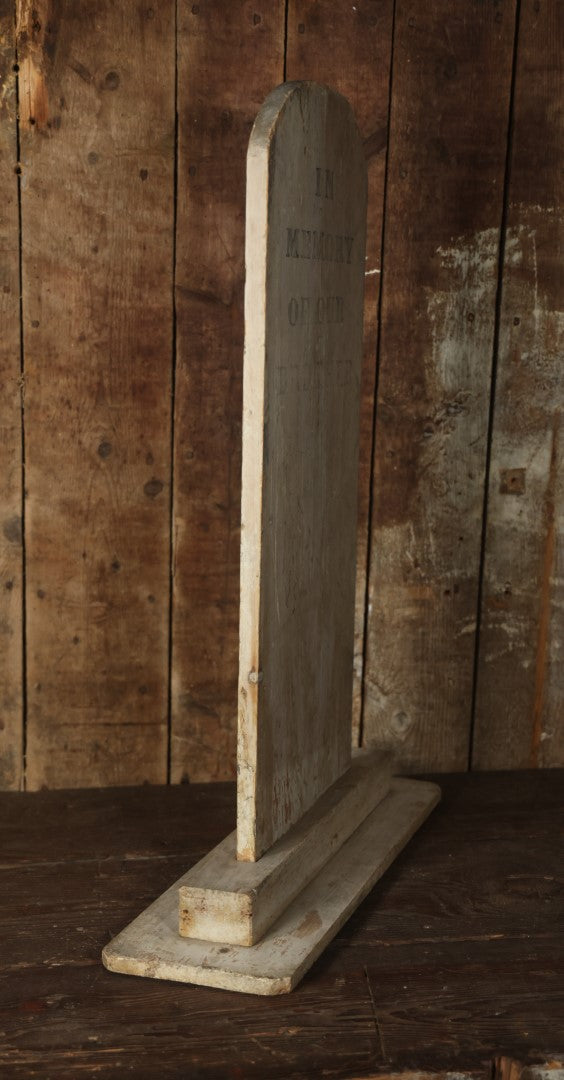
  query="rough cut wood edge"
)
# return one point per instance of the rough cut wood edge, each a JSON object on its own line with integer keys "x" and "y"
{"x": 236, "y": 902}
{"x": 216, "y": 111}
{"x": 11, "y": 532}
{"x": 151, "y": 946}
{"x": 253, "y": 452}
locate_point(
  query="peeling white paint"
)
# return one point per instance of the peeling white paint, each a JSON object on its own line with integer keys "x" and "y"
{"x": 470, "y": 254}
{"x": 461, "y": 317}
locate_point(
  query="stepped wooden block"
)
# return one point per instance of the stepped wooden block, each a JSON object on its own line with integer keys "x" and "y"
{"x": 152, "y": 946}
{"x": 224, "y": 899}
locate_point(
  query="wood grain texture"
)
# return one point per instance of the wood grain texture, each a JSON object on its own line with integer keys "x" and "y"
{"x": 304, "y": 256}
{"x": 349, "y": 48}
{"x": 462, "y": 940}
{"x": 72, "y": 1029}
{"x": 97, "y": 122}
{"x": 447, "y": 1005}
{"x": 520, "y": 692}
{"x": 449, "y": 115}
{"x": 11, "y": 552}
{"x": 215, "y": 119}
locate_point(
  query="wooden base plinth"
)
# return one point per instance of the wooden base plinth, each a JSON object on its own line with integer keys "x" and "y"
{"x": 236, "y": 902}
{"x": 151, "y": 945}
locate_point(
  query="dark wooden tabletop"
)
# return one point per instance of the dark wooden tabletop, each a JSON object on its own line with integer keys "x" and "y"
{"x": 454, "y": 959}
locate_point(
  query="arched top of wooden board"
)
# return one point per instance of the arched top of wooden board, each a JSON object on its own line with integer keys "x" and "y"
{"x": 307, "y": 97}
{"x": 305, "y": 243}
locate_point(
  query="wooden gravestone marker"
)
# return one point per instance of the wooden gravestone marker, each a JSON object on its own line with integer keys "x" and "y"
{"x": 305, "y": 241}
{"x": 316, "y": 827}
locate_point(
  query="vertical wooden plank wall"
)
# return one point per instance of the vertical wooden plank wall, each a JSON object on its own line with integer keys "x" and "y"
{"x": 449, "y": 112}
{"x": 520, "y": 691}
{"x": 229, "y": 58}
{"x": 133, "y": 124}
{"x": 97, "y": 137}
{"x": 349, "y": 47}
{"x": 11, "y": 568}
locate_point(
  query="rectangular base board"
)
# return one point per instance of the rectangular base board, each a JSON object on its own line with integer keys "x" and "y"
{"x": 151, "y": 945}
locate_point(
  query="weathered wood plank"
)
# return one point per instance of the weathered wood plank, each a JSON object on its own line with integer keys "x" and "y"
{"x": 449, "y": 113}
{"x": 88, "y": 1022}
{"x": 390, "y": 925}
{"x": 11, "y": 553}
{"x": 190, "y": 819}
{"x": 140, "y": 823}
{"x": 215, "y": 120}
{"x": 520, "y": 692}
{"x": 97, "y": 119}
{"x": 332, "y": 43}
{"x": 304, "y": 255}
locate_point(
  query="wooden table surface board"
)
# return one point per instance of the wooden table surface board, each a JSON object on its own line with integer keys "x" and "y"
{"x": 455, "y": 957}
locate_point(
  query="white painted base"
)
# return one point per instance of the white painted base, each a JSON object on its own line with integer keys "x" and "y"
{"x": 151, "y": 945}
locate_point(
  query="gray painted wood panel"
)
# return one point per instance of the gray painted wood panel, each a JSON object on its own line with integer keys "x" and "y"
{"x": 305, "y": 247}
